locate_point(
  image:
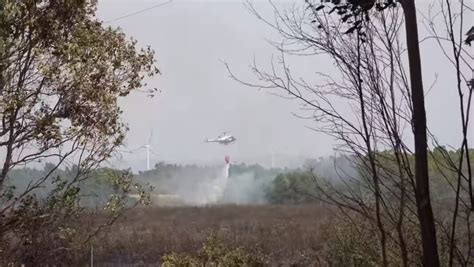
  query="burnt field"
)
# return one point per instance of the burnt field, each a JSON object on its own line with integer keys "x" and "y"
{"x": 284, "y": 235}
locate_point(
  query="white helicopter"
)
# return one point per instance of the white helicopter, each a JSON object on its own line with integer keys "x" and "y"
{"x": 223, "y": 139}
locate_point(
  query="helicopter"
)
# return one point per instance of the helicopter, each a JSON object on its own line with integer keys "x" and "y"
{"x": 223, "y": 139}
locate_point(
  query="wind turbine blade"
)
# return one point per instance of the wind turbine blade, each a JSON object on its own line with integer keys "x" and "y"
{"x": 149, "y": 139}
{"x": 153, "y": 152}
{"x": 131, "y": 150}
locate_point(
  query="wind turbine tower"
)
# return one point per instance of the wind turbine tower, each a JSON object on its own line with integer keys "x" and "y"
{"x": 148, "y": 150}
{"x": 147, "y": 146}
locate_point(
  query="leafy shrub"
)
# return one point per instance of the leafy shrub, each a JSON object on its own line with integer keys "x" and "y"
{"x": 293, "y": 187}
{"x": 179, "y": 259}
{"x": 215, "y": 253}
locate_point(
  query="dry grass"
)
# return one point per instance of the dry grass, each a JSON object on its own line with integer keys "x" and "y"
{"x": 289, "y": 235}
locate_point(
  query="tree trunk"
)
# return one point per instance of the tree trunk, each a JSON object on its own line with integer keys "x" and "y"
{"x": 422, "y": 190}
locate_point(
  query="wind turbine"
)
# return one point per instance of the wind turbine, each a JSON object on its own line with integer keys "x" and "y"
{"x": 148, "y": 150}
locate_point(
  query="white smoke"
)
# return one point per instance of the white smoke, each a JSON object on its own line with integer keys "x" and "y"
{"x": 197, "y": 186}
{"x": 209, "y": 191}
{"x": 218, "y": 186}
{"x": 246, "y": 189}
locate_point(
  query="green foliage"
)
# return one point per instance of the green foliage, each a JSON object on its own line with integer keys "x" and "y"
{"x": 45, "y": 227}
{"x": 215, "y": 253}
{"x": 352, "y": 245}
{"x": 293, "y": 187}
{"x": 61, "y": 75}
{"x": 443, "y": 164}
{"x": 179, "y": 260}
{"x": 39, "y": 224}
{"x": 94, "y": 188}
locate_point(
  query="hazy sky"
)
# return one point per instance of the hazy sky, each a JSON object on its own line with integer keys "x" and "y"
{"x": 199, "y": 100}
